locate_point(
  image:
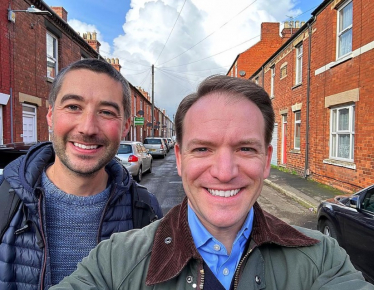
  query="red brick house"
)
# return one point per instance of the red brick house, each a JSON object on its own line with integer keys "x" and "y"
{"x": 322, "y": 85}
{"x": 33, "y": 48}
{"x": 247, "y": 62}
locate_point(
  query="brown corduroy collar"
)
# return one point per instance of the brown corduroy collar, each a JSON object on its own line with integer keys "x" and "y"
{"x": 174, "y": 246}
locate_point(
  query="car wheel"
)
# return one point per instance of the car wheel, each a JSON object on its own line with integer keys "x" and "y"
{"x": 138, "y": 177}
{"x": 150, "y": 168}
{"x": 328, "y": 229}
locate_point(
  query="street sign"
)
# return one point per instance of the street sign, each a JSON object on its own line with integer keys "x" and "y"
{"x": 138, "y": 121}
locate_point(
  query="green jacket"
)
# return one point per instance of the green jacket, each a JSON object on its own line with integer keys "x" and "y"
{"x": 163, "y": 256}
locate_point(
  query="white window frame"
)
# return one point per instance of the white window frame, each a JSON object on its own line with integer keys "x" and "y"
{"x": 299, "y": 64}
{"x": 54, "y": 57}
{"x": 272, "y": 71}
{"x": 343, "y": 31}
{"x": 297, "y": 125}
{"x": 335, "y": 132}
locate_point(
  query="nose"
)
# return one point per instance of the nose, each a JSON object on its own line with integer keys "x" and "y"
{"x": 224, "y": 166}
{"x": 88, "y": 123}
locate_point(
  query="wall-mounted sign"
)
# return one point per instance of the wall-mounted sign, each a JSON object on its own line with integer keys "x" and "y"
{"x": 138, "y": 121}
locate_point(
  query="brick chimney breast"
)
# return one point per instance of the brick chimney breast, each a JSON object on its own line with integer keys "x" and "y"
{"x": 61, "y": 12}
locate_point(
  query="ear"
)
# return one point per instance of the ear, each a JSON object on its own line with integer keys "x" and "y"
{"x": 126, "y": 128}
{"x": 178, "y": 157}
{"x": 49, "y": 116}
{"x": 268, "y": 156}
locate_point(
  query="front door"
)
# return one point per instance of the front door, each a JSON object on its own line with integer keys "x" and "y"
{"x": 284, "y": 139}
{"x": 29, "y": 123}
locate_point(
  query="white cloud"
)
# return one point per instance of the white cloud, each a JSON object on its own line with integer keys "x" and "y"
{"x": 178, "y": 72}
{"x": 81, "y": 27}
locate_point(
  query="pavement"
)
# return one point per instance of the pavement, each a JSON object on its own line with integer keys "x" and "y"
{"x": 307, "y": 192}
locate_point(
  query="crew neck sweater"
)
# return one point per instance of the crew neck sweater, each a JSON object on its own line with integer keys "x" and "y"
{"x": 72, "y": 227}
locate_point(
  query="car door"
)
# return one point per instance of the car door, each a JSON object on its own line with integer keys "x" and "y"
{"x": 143, "y": 156}
{"x": 359, "y": 233}
{"x": 147, "y": 156}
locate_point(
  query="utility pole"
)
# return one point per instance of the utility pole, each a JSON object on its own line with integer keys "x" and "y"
{"x": 153, "y": 100}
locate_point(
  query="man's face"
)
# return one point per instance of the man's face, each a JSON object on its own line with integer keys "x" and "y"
{"x": 87, "y": 121}
{"x": 223, "y": 159}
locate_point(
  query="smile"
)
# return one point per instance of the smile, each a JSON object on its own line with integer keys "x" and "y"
{"x": 86, "y": 147}
{"x": 224, "y": 193}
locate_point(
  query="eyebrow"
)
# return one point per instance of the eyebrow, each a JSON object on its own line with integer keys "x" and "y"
{"x": 81, "y": 99}
{"x": 253, "y": 142}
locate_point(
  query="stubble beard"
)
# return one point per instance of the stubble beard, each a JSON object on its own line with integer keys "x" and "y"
{"x": 59, "y": 146}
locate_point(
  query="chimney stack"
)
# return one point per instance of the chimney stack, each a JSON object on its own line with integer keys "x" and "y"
{"x": 90, "y": 38}
{"x": 115, "y": 63}
{"x": 61, "y": 12}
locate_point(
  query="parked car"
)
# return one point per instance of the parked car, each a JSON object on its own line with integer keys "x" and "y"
{"x": 166, "y": 144}
{"x": 156, "y": 146}
{"x": 350, "y": 220}
{"x": 170, "y": 142}
{"x": 135, "y": 157}
{"x": 11, "y": 151}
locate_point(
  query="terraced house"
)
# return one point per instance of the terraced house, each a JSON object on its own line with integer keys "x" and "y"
{"x": 321, "y": 81}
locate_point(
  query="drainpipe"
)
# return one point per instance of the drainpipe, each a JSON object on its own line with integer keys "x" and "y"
{"x": 263, "y": 76}
{"x": 306, "y": 169}
{"x": 11, "y": 115}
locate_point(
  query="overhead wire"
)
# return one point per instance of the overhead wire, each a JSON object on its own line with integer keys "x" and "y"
{"x": 170, "y": 32}
{"x": 213, "y": 54}
{"x": 209, "y": 34}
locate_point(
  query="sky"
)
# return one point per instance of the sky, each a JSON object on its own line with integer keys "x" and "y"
{"x": 185, "y": 40}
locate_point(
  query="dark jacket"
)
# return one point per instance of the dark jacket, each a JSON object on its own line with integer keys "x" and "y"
{"x": 24, "y": 253}
{"x": 163, "y": 256}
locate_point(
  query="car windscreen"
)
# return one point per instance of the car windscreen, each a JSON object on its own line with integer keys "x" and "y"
{"x": 124, "y": 149}
{"x": 152, "y": 141}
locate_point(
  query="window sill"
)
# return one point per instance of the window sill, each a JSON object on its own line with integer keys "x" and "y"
{"x": 295, "y": 151}
{"x": 340, "y": 163}
{"x": 341, "y": 60}
{"x": 49, "y": 79}
{"x": 296, "y": 86}
{"x": 283, "y": 77}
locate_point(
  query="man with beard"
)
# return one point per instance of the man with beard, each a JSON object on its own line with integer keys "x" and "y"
{"x": 73, "y": 192}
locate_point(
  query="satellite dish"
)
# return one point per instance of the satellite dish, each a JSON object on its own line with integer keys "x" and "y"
{"x": 242, "y": 73}
{"x": 140, "y": 112}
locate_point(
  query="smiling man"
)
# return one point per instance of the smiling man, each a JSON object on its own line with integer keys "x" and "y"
{"x": 72, "y": 192}
{"x": 219, "y": 237}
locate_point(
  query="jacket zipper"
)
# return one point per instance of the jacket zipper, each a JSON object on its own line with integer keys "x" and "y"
{"x": 98, "y": 239}
{"x": 44, "y": 241}
{"x": 236, "y": 280}
{"x": 202, "y": 278}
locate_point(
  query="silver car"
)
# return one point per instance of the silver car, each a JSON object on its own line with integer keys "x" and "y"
{"x": 156, "y": 146}
{"x": 135, "y": 157}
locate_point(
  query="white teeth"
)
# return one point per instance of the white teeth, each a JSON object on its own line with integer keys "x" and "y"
{"x": 224, "y": 193}
{"x": 85, "y": 146}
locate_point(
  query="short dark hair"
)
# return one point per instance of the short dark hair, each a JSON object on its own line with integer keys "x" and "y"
{"x": 236, "y": 87}
{"x": 95, "y": 65}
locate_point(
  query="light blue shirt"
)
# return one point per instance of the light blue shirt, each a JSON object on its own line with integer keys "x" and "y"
{"x": 214, "y": 252}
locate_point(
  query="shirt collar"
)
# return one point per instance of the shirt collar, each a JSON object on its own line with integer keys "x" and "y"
{"x": 201, "y": 235}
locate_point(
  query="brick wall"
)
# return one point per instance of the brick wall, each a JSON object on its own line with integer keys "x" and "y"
{"x": 251, "y": 59}
{"x": 354, "y": 73}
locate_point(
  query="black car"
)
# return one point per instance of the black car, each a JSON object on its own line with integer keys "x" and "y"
{"x": 9, "y": 152}
{"x": 350, "y": 220}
